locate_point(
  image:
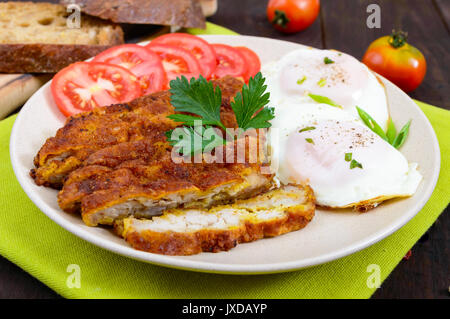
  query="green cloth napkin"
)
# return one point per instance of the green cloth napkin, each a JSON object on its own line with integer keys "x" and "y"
{"x": 45, "y": 250}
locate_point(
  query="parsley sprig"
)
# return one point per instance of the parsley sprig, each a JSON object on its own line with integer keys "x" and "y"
{"x": 246, "y": 105}
{"x": 201, "y": 99}
{"x": 195, "y": 138}
{"x": 197, "y": 97}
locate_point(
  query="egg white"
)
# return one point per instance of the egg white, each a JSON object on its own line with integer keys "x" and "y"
{"x": 317, "y": 156}
{"x": 345, "y": 81}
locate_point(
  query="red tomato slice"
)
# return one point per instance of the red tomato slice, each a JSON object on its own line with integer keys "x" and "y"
{"x": 143, "y": 63}
{"x": 201, "y": 49}
{"x": 84, "y": 85}
{"x": 251, "y": 60}
{"x": 229, "y": 62}
{"x": 176, "y": 61}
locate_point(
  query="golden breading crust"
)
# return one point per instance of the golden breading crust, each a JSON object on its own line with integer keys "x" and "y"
{"x": 86, "y": 133}
{"x": 141, "y": 179}
{"x": 113, "y": 162}
{"x": 189, "y": 231}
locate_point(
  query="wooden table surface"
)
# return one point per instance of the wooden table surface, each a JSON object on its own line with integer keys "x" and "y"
{"x": 342, "y": 25}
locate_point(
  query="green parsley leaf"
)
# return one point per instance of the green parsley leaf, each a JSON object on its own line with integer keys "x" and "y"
{"x": 198, "y": 97}
{"x": 302, "y": 80}
{"x": 308, "y": 128}
{"x": 327, "y": 60}
{"x": 348, "y": 157}
{"x": 354, "y": 164}
{"x": 194, "y": 140}
{"x": 203, "y": 101}
{"x": 324, "y": 100}
{"x": 402, "y": 135}
{"x": 248, "y": 106}
{"x": 372, "y": 124}
{"x": 309, "y": 140}
{"x": 187, "y": 120}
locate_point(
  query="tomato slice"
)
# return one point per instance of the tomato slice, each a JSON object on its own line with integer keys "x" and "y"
{"x": 176, "y": 61}
{"x": 251, "y": 60}
{"x": 201, "y": 49}
{"x": 143, "y": 63}
{"x": 229, "y": 62}
{"x": 84, "y": 85}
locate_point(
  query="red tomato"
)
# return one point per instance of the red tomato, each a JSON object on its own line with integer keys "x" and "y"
{"x": 84, "y": 85}
{"x": 197, "y": 46}
{"x": 176, "y": 61}
{"x": 143, "y": 63}
{"x": 252, "y": 61}
{"x": 229, "y": 62}
{"x": 398, "y": 61}
{"x": 291, "y": 16}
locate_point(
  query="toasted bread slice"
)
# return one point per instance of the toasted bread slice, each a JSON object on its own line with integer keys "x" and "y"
{"x": 192, "y": 231}
{"x": 36, "y": 38}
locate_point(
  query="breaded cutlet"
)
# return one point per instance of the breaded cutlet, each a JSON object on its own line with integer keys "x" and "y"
{"x": 141, "y": 179}
{"x": 115, "y": 161}
{"x": 192, "y": 231}
{"x": 85, "y": 133}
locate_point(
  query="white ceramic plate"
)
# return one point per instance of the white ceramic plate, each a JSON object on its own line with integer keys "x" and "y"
{"x": 331, "y": 234}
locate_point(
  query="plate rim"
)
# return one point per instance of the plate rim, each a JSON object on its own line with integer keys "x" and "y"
{"x": 203, "y": 266}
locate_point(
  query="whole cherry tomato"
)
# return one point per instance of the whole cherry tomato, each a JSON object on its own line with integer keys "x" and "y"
{"x": 398, "y": 61}
{"x": 291, "y": 16}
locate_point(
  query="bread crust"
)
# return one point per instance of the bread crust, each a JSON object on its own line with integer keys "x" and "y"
{"x": 45, "y": 58}
{"x": 182, "y": 13}
{"x": 36, "y": 38}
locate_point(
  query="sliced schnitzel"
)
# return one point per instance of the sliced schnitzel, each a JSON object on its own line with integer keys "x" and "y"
{"x": 85, "y": 133}
{"x": 140, "y": 178}
{"x": 192, "y": 231}
{"x": 115, "y": 161}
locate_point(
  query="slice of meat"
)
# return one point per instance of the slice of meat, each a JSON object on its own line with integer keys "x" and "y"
{"x": 89, "y": 132}
{"x": 115, "y": 161}
{"x": 141, "y": 179}
{"x": 192, "y": 231}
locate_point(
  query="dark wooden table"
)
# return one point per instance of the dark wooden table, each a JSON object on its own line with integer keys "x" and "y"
{"x": 342, "y": 26}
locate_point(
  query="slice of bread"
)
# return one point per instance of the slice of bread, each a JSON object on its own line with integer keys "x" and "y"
{"x": 36, "y": 38}
{"x": 180, "y": 13}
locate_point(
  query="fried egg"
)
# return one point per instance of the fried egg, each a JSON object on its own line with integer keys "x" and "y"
{"x": 344, "y": 162}
{"x": 335, "y": 75}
